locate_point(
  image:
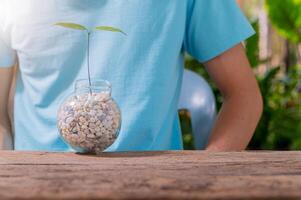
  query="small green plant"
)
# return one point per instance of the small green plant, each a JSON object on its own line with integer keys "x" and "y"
{"x": 88, "y": 33}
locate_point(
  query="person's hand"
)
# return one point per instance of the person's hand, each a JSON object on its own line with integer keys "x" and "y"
{"x": 242, "y": 106}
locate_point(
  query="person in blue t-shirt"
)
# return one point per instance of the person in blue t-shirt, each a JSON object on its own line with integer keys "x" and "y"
{"x": 145, "y": 68}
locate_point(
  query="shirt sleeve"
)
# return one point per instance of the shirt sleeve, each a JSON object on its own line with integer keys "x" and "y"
{"x": 7, "y": 54}
{"x": 214, "y": 26}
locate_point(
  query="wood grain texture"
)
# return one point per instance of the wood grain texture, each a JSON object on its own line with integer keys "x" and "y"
{"x": 150, "y": 175}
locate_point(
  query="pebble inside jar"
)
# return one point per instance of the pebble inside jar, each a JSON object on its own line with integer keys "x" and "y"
{"x": 89, "y": 120}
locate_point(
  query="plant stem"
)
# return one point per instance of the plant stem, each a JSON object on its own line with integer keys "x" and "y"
{"x": 88, "y": 61}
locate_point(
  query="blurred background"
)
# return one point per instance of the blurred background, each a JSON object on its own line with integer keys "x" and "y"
{"x": 275, "y": 55}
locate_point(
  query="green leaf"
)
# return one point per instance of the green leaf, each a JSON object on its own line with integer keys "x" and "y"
{"x": 109, "y": 28}
{"x": 71, "y": 25}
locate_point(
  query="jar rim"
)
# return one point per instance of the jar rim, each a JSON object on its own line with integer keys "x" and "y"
{"x": 95, "y": 83}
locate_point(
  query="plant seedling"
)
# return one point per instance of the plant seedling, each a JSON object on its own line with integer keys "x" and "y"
{"x": 88, "y": 33}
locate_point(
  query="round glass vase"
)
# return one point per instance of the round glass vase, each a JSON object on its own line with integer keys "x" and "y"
{"x": 89, "y": 119}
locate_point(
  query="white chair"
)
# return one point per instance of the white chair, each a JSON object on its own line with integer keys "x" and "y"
{"x": 197, "y": 97}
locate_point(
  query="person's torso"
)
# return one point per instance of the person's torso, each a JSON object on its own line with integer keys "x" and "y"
{"x": 144, "y": 67}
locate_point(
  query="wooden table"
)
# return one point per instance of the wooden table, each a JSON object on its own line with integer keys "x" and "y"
{"x": 150, "y": 175}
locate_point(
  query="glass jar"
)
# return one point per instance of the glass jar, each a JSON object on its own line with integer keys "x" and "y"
{"x": 89, "y": 120}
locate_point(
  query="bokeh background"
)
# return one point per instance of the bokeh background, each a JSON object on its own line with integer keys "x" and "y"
{"x": 275, "y": 55}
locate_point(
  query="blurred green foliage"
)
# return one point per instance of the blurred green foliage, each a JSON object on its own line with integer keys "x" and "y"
{"x": 280, "y": 125}
{"x": 285, "y": 15}
{"x": 186, "y": 127}
{"x": 252, "y": 46}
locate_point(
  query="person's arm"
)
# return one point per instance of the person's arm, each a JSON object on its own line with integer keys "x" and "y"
{"x": 6, "y": 75}
{"x": 242, "y": 101}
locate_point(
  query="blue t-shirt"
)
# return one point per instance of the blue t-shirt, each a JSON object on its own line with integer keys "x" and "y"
{"x": 145, "y": 67}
